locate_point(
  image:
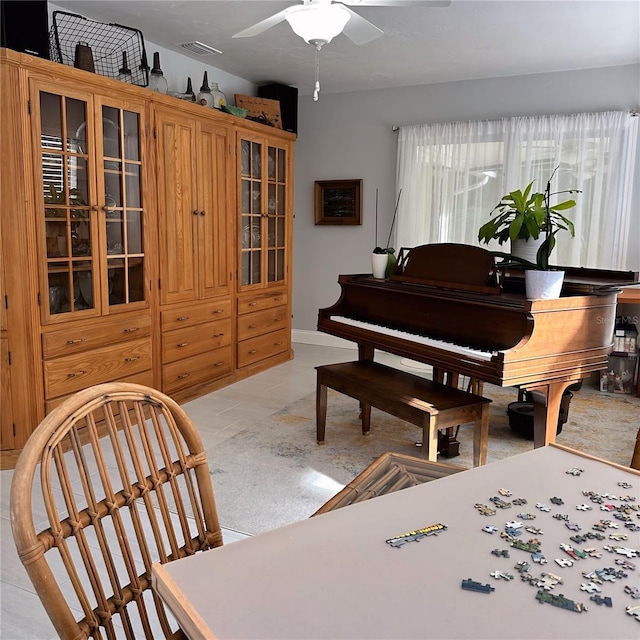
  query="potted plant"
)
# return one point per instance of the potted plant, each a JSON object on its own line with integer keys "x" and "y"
{"x": 523, "y": 215}
{"x": 383, "y": 259}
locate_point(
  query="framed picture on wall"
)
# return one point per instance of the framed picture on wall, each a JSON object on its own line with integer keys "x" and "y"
{"x": 338, "y": 201}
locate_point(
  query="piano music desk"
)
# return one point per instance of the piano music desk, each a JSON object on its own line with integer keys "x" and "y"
{"x": 427, "y": 404}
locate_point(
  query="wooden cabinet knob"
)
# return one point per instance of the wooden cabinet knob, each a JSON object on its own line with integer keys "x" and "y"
{"x": 130, "y": 329}
{"x": 182, "y": 318}
{"x": 252, "y": 326}
{"x": 183, "y": 344}
{"x": 218, "y": 335}
{"x": 77, "y": 373}
{"x": 132, "y": 359}
{"x": 75, "y": 341}
{"x": 182, "y": 376}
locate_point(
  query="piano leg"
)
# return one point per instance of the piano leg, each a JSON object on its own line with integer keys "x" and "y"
{"x": 546, "y": 410}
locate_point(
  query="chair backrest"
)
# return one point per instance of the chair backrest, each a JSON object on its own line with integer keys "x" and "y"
{"x": 122, "y": 482}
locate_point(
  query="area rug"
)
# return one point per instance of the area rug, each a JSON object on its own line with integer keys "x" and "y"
{"x": 274, "y": 472}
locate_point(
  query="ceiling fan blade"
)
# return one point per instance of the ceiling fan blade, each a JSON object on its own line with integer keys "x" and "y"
{"x": 397, "y": 3}
{"x": 259, "y": 27}
{"x": 359, "y": 30}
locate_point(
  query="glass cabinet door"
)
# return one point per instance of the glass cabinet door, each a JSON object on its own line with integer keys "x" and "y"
{"x": 276, "y": 213}
{"x": 121, "y": 173}
{"x": 69, "y": 221}
{"x": 263, "y": 207}
{"x": 93, "y": 216}
{"x": 251, "y": 212}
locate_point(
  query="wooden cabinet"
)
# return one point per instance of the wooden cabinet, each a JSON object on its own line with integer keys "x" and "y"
{"x": 264, "y": 216}
{"x": 142, "y": 239}
{"x": 196, "y": 256}
{"x": 193, "y": 194}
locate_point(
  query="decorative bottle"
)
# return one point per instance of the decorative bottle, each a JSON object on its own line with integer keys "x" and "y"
{"x": 205, "y": 98}
{"x": 219, "y": 99}
{"x": 189, "y": 90}
{"x": 157, "y": 81}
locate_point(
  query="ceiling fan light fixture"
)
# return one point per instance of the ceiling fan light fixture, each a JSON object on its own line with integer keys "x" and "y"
{"x": 319, "y": 23}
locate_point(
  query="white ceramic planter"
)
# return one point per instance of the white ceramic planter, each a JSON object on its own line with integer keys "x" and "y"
{"x": 543, "y": 284}
{"x": 379, "y": 264}
{"x": 527, "y": 249}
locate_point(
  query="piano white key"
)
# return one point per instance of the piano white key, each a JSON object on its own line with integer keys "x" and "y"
{"x": 413, "y": 337}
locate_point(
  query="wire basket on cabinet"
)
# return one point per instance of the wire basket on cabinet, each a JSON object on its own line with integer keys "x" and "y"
{"x": 107, "y": 42}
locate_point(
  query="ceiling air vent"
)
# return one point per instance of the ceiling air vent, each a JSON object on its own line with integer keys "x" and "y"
{"x": 199, "y": 48}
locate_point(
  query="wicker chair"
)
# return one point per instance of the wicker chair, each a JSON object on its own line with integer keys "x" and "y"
{"x": 123, "y": 482}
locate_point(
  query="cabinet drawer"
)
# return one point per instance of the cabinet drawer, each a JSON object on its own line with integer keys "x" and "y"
{"x": 144, "y": 377}
{"x": 81, "y": 370}
{"x": 76, "y": 339}
{"x": 255, "y": 324}
{"x": 254, "y": 349}
{"x": 200, "y": 368}
{"x": 188, "y": 316}
{"x": 261, "y": 301}
{"x": 191, "y": 341}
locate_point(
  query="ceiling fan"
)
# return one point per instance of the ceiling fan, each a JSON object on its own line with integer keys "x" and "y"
{"x": 317, "y": 22}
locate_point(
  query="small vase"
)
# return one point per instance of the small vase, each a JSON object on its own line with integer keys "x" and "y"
{"x": 379, "y": 265}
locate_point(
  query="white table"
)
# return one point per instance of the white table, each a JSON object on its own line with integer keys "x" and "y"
{"x": 333, "y": 576}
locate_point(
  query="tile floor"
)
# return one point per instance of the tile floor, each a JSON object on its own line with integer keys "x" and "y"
{"x": 218, "y": 415}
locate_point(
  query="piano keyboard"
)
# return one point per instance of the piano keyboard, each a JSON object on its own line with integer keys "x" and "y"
{"x": 414, "y": 337}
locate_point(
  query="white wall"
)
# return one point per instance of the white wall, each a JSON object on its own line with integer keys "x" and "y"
{"x": 344, "y": 136}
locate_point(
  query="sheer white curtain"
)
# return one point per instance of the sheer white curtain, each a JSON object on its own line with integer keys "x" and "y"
{"x": 453, "y": 174}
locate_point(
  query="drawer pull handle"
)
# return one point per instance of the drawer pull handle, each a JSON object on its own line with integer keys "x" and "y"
{"x": 278, "y": 319}
{"x": 131, "y": 329}
{"x": 182, "y": 376}
{"x": 252, "y": 326}
{"x": 278, "y": 299}
{"x": 218, "y": 311}
{"x": 219, "y": 363}
{"x": 183, "y": 344}
{"x": 76, "y": 341}
{"x": 202, "y": 213}
{"x": 253, "y": 351}
{"x": 79, "y": 373}
{"x": 253, "y": 304}
{"x": 182, "y": 318}
{"x": 218, "y": 335}
{"x": 277, "y": 344}
{"x": 132, "y": 359}
{"x": 195, "y": 212}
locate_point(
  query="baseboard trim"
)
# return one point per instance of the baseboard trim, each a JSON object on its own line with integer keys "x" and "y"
{"x": 320, "y": 339}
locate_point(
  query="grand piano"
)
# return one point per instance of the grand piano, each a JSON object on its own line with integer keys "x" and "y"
{"x": 453, "y": 307}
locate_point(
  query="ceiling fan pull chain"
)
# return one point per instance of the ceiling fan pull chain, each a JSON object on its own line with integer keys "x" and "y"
{"x": 316, "y": 89}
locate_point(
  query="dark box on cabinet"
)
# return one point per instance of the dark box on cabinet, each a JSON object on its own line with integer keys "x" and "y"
{"x": 25, "y": 27}
{"x": 288, "y": 98}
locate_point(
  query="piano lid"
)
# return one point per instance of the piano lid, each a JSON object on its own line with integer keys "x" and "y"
{"x": 448, "y": 265}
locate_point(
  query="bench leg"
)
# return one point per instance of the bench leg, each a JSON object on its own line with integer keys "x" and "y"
{"x": 481, "y": 436}
{"x": 365, "y": 414}
{"x": 321, "y": 411}
{"x": 430, "y": 438}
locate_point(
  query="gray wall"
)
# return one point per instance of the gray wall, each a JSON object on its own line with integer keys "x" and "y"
{"x": 344, "y": 136}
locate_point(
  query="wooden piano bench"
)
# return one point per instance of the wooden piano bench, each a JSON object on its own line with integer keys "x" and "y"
{"x": 422, "y": 402}
{"x": 388, "y": 473}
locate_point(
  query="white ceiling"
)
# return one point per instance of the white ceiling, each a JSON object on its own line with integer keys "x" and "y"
{"x": 467, "y": 40}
